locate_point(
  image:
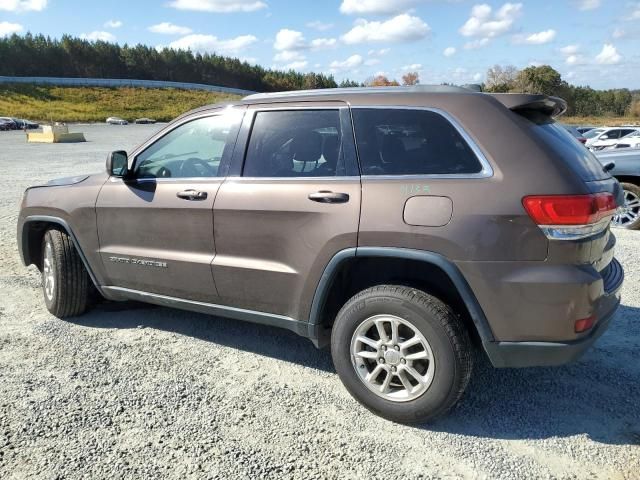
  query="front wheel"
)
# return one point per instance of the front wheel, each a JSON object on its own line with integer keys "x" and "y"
{"x": 401, "y": 353}
{"x": 65, "y": 282}
{"x": 628, "y": 215}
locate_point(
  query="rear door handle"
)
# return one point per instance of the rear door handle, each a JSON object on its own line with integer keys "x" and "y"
{"x": 192, "y": 195}
{"x": 325, "y": 196}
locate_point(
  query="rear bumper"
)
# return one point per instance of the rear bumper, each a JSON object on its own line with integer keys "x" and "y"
{"x": 541, "y": 354}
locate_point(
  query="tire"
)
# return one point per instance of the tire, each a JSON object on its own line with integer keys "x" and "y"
{"x": 66, "y": 286}
{"x": 444, "y": 374}
{"x": 630, "y": 219}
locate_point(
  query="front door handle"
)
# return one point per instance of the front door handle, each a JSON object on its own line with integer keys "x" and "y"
{"x": 192, "y": 195}
{"x": 325, "y": 196}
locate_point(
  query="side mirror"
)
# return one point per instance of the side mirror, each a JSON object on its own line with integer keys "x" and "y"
{"x": 610, "y": 165}
{"x": 118, "y": 164}
{"x": 604, "y": 137}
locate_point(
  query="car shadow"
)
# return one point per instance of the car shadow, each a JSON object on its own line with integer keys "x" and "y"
{"x": 597, "y": 396}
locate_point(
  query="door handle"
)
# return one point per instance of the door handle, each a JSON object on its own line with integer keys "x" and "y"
{"x": 325, "y": 196}
{"x": 192, "y": 195}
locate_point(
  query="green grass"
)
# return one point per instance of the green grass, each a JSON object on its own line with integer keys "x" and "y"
{"x": 94, "y": 104}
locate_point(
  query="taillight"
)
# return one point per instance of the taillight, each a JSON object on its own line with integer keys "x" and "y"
{"x": 584, "y": 324}
{"x": 569, "y": 217}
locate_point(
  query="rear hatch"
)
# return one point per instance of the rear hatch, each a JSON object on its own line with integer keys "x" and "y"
{"x": 578, "y": 226}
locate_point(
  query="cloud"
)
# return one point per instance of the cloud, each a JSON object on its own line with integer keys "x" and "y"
{"x": 323, "y": 43}
{"x": 570, "y": 49}
{"x": 98, "y": 35}
{"x": 167, "y": 28}
{"x": 476, "y": 44}
{"x": 7, "y": 28}
{"x": 289, "y": 40}
{"x": 618, "y": 33}
{"x": 477, "y": 77}
{"x": 372, "y": 61}
{"x": 288, "y": 56}
{"x": 376, "y": 7}
{"x": 635, "y": 13}
{"x": 353, "y": 61}
{"x": 113, "y": 24}
{"x": 482, "y": 23}
{"x": 539, "y": 38}
{"x": 210, "y": 43}
{"x": 218, "y": 6}
{"x": 588, "y": 4}
{"x": 378, "y": 53}
{"x": 299, "y": 65}
{"x": 575, "y": 60}
{"x": 412, "y": 68}
{"x": 402, "y": 28}
{"x": 449, "y": 51}
{"x": 23, "y": 5}
{"x": 320, "y": 26}
{"x": 609, "y": 55}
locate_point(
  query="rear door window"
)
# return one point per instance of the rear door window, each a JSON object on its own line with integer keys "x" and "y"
{"x": 296, "y": 143}
{"x": 411, "y": 142}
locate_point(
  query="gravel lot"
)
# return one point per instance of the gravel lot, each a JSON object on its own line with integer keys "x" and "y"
{"x": 133, "y": 391}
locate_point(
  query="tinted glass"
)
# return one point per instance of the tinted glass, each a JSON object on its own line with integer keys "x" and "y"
{"x": 193, "y": 149}
{"x": 410, "y": 142}
{"x": 303, "y": 143}
{"x": 593, "y": 133}
{"x": 573, "y": 153}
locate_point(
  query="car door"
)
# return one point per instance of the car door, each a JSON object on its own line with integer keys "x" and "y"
{"x": 290, "y": 203}
{"x": 156, "y": 227}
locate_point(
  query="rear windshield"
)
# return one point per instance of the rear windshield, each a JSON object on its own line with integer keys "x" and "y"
{"x": 577, "y": 157}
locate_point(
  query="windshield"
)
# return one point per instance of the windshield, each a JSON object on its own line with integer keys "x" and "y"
{"x": 593, "y": 133}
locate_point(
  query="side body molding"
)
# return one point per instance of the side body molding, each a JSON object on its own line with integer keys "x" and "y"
{"x": 322, "y": 291}
{"x": 24, "y": 242}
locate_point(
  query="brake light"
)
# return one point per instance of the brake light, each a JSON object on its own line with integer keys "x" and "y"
{"x": 568, "y": 217}
{"x": 584, "y": 324}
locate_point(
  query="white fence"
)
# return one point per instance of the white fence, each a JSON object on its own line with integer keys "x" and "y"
{"x": 122, "y": 82}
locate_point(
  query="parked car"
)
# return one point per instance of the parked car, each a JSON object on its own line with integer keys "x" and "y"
{"x": 629, "y": 141}
{"x": 627, "y": 170}
{"x": 584, "y": 129}
{"x": 6, "y": 124}
{"x": 331, "y": 213}
{"x": 117, "y": 121}
{"x": 144, "y": 121}
{"x": 600, "y": 138}
{"x": 9, "y": 123}
{"x": 29, "y": 125}
{"x": 576, "y": 134}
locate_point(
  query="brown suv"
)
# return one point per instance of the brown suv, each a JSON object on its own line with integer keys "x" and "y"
{"x": 402, "y": 226}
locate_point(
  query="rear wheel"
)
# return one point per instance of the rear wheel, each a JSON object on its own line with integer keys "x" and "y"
{"x": 401, "y": 353}
{"x": 65, "y": 282}
{"x": 629, "y": 215}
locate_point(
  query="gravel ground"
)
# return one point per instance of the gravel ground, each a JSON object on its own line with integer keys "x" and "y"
{"x": 132, "y": 391}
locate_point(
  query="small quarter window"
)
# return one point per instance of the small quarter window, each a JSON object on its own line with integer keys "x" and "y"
{"x": 411, "y": 142}
{"x": 295, "y": 143}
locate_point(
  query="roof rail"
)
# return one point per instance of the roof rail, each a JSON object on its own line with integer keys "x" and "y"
{"x": 338, "y": 91}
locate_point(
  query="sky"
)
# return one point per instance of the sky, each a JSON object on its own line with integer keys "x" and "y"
{"x": 590, "y": 42}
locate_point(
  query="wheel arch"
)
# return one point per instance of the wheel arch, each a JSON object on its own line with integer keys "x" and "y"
{"x": 635, "y": 180}
{"x": 385, "y": 265}
{"x": 32, "y": 232}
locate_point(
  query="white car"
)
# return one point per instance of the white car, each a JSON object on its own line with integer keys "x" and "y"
{"x": 601, "y": 138}
{"x": 117, "y": 121}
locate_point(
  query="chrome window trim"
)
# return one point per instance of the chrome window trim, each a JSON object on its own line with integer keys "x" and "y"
{"x": 350, "y": 178}
{"x": 485, "y": 172}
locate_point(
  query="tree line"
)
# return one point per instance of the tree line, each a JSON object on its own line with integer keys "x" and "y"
{"x": 582, "y": 101}
{"x": 42, "y": 56}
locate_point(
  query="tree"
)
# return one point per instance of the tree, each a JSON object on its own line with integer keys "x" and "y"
{"x": 542, "y": 79}
{"x": 381, "y": 81}
{"x": 501, "y": 79}
{"x": 411, "y": 78}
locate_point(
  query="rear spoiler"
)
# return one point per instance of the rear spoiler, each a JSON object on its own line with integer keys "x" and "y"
{"x": 551, "y": 106}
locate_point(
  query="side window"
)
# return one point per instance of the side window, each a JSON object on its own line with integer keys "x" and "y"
{"x": 193, "y": 149}
{"x": 410, "y": 142}
{"x": 295, "y": 143}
